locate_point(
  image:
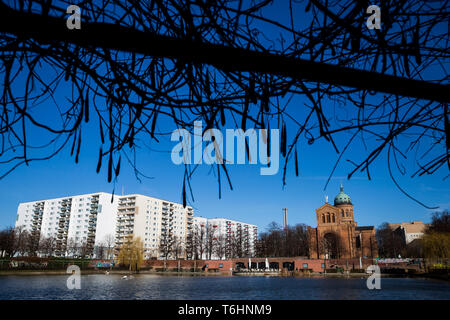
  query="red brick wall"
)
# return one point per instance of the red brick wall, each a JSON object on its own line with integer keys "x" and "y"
{"x": 216, "y": 264}
{"x": 314, "y": 264}
{"x": 190, "y": 264}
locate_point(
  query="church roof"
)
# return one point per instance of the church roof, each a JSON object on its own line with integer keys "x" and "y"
{"x": 364, "y": 228}
{"x": 342, "y": 198}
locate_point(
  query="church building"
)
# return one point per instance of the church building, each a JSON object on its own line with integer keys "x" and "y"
{"x": 337, "y": 235}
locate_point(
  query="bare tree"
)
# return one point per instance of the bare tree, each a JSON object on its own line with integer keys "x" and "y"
{"x": 72, "y": 247}
{"x": 390, "y": 243}
{"x": 190, "y": 246}
{"x": 84, "y": 250}
{"x": 211, "y": 240}
{"x": 166, "y": 245}
{"x": 21, "y": 238}
{"x": 440, "y": 222}
{"x": 290, "y": 241}
{"x": 33, "y": 244}
{"x": 8, "y": 242}
{"x": 48, "y": 246}
{"x": 200, "y": 242}
{"x": 215, "y": 62}
{"x": 109, "y": 241}
{"x": 100, "y": 250}
{"x": 220, "y": 246}
{"x": 177, "y": 247}
{"x": 237, "y": 244}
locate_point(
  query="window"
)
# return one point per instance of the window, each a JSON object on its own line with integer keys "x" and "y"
{"x": 323, "y": 265}
{"x": 305, "y": 266}
{"x": 221, "y": 265}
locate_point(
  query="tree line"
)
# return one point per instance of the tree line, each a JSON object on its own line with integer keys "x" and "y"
{"x": 208, "y": 243}
{"x": 20, "y": 242}
{"x": 291, "y": 241}
{"x": 435, "y": 244}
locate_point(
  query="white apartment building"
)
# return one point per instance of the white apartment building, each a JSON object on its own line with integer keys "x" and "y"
{"x": 164, "y": 227}
{"x": 86, "y": 219}
{"x": 229, "y": 231}
{"x": 200, "y": 223}
{"x": 160, "y": 224}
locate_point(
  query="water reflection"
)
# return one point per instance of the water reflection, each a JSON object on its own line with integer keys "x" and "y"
{"x": 184, "y": 287}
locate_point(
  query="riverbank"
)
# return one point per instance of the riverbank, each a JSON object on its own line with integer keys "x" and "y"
{"x": 112, "y": 272}
{"x": 444, "y": 277}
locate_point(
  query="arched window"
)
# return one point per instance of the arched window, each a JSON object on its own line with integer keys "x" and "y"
{"x": 328, "y": 218}
{"x": 342, "y": 213}
{"x": 334, "y": 220}
{"x": 323, "y": 218}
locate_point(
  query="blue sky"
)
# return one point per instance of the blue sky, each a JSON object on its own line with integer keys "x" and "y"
{"x": 255, "y": 199}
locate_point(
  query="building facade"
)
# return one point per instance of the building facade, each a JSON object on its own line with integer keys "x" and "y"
{"x": 409, "y": 231}
{"x": 86, "y": 220}
{"x": 337, "y": 235}
{"x": 225, "y": 238}
{"x": 163, "y": 226}
{"x": 82, "y": 224}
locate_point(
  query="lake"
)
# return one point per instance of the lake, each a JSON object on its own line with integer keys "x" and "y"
{"x": 156, "y": 287}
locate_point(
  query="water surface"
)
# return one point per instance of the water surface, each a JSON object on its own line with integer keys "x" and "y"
{"x": 156, "y": 287}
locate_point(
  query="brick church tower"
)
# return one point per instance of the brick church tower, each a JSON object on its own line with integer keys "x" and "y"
{"x": 337, "y": 235}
